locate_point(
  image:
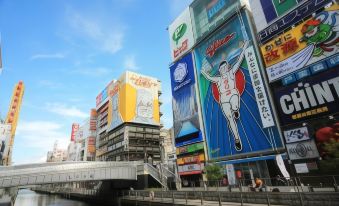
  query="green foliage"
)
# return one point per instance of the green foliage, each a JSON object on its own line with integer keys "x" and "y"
{"x": 332, "y": 148}
{"x": 213, "y": 172}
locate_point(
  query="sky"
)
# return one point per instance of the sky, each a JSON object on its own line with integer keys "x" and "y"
{"x": 66, "y": 52}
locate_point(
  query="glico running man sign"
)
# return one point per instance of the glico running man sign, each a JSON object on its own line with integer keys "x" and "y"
{"x": 236, "y": 110}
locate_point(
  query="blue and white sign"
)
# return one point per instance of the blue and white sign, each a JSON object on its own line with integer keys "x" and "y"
{"x": 185, "y": 109}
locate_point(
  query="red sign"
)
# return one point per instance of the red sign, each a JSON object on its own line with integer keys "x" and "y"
{"x": 75, "y": 128}
{"x": 218, "y": 43}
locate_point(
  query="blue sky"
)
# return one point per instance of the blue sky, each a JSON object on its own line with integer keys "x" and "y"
{"x": 66, "y": 52}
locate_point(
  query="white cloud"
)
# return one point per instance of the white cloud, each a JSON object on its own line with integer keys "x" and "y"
{"x": 48, "y": 56}
{"x": 65, "y": 110}
{"x": 49, "y": 84}
{"x": 41, "y": 134}
{"x": 93, "y": 72}
{"x": 105, "y": 37}
{"x": 130, "y": 64}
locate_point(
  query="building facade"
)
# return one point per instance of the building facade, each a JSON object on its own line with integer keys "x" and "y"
{"x": 129, "y": 119}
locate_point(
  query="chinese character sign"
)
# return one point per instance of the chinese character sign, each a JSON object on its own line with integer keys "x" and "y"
{"x": 236, "y": 111}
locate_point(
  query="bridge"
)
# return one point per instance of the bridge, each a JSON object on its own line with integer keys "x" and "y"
{"x": 67, "y": 172}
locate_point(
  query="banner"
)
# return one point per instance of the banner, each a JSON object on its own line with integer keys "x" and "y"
{"x": 309, "y": 42}
{"x": 313, "y": 97}
{"x": 281, "y": 165}
{"x": 230, "y": 106}
{"x": 230, "y": 174}
{"x": 181, "y": 35}
{"x": 185, "y": 110}
{"x": 75, "y": 128}
{"x": 302, "y": 150}
{"x": 296, "y": 135}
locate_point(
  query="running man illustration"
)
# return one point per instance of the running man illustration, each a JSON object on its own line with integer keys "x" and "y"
{"x": 228, "y": 92}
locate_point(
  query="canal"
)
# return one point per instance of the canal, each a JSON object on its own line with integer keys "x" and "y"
{"x": 31, "y": 198}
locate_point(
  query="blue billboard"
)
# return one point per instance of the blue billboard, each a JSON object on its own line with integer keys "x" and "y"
{"x": 236, "y": 111}
{"x": 185, "y": 109}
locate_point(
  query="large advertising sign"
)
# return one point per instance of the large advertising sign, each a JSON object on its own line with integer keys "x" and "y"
{"x": 191, "y": 159}
{"x": 191, "y": 169}
{"x": 311, "y": 41}
{"x": 134, "y": 98}
{"x": 103, "y": 96}
{"x": 304, "y": 10}
{"x": 302, "y": 150}
{"x": 313, "y": 97}
{"x": 5, "y": 134}
{"x": 237, "y": 115}
{"x": 208, "y": 15}
{"x": 190, "y": 148}
{"x": 185, "y": 109}
{"x": 181, "y": 35}
{"x": 75, "y": 128}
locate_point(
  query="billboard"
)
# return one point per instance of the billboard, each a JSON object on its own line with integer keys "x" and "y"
{"x": 93, "y": 120}
{"x": 190, "y": 148}
{"x": 307, "y": 8}
{"x": 134, "y": 98}
{"x": 190, "y": 169}
{"x": 185, "y": 109}
{"x": 181, "y": 35}
{"x": 208, "y": 15}
{"x": 5, "y": 135}
{"x": 296, "y": 135}
{"x": 302, "y": 150}
{"x": 237, "y": 115}
{"x": 191, "y": 159}
{"x": 309, "y": 42}
{"x": 103, "y": 96}
{"x": 313, "y": 97}
{"x": 75, "y": 128}
{"x": 91, "y": 145}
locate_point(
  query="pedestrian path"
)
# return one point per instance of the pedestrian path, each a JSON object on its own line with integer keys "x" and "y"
{"x": 188, "y": 202}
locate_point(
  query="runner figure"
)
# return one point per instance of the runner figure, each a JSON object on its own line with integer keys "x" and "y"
{"x": 228, "y": 92}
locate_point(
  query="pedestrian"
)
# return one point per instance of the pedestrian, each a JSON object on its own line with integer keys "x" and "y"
{"x": 151, "y": 195}
{"x": 258, "y": 184}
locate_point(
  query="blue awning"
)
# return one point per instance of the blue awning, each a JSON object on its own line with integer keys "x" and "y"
{"x": 252, "y": 159}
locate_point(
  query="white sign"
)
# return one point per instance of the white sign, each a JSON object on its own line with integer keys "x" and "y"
{"x": 230, "y": 174}
{"x": 301, "y": 168}
{"x": 302, "y": 150}
{"x": 180, "y": 72}
{"x": 191, "y": 167}
{"x": 296, "y": 135}
{"x": 181, "y": 35}
{"x": 259, "y": 89}
{"x": 281, "y": 165}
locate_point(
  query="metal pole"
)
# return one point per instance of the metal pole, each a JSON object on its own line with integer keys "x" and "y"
{"x": 202, "y": 198}
{"x": 186, "y": 197}
{"x": 241, "y": 199}
{"x": 219, "y": 199}
{"x": 172, "y": 197}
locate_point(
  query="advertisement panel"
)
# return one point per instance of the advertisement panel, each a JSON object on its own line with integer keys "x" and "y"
{"x": 181, "y": 35}
{"x": 227, "y": 93}
{"x": 190, "y": 169}
{"x": 191, "y": 159}
{"x": 93, "y": 120}
{"x": 311, "y": 41}
{"x": 307, "y": 8}
{"x": 190, "y": 148}
{"x": 185, "y": 109}
{"x": 103, "y": 96}
{"x": 313, "y": 97}
{"x": 75, "y": 128}
{"x": 230, "y": 174}
{"x": 134, "y": 98}
{"x": 91, "y": 145}
{"x": 302, "y": 150}
{"x": 5, "y": 135}
{"x": 208, "y": 15}
{"x": 296, "y": 135}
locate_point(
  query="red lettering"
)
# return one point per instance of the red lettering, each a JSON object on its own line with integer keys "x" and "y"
{"x": 210, "y": 51}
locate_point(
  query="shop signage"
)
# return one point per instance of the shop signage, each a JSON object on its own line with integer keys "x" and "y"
{"x": 316, "y": 96}
{"x": 309, "y": 42}
{"x": 291, "y": 18}
{"x": 230, "y": 174}
{"x": 296, "y": 135}
{"x": 302, "y": 150}
{"x": 190, "y": 148}
{"x": 181, "y": 35}
{"x": 301, "y": 168}
{"x": 191, "y": 159}
{"x": 190, "y": 169}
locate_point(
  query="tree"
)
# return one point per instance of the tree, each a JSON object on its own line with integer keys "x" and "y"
{"x": 213, "y": 172}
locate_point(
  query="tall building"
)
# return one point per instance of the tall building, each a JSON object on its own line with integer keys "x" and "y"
{"x": 57, "y": 154}
{"x": 128, "y": 126}
{"x": 299, "y": 47}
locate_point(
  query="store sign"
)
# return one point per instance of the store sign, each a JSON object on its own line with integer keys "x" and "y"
{"x": 181, "y": 35}
{"x": 301, "y": 168}
{"x": 191, "y": 159}
{"x": 230, "y": 174}
{"x": 190, "y": 169}
{"x": 75, "y": 128}
{"x": 316, "y": 96}
{"x": 296, "y": 135}
{"x": 208, "y": 15}
{"x": 190, "y": 148}
{"x": 302, "y": 150}
{"x": 291, "y": 18}
{"x": 259, "y": 91}
{"x": 309, "y": 42}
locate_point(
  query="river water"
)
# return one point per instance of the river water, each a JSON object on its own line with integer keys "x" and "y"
{"x": 31, "y": 198}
